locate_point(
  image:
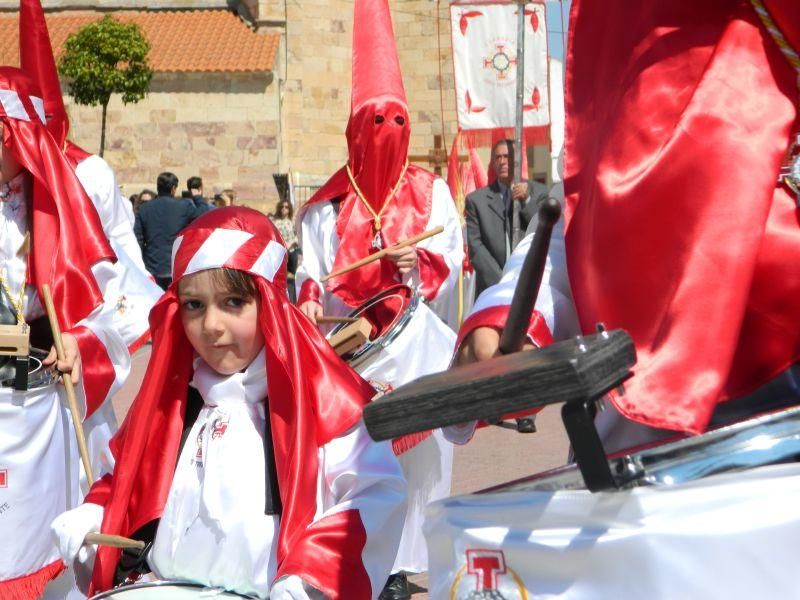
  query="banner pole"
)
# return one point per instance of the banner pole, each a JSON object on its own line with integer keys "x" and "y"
{"x": 515, "y": 218}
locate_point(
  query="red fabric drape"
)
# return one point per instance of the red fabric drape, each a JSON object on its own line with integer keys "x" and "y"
{"x": 67, "y": 235}
{"x": 313, "y": 398}
{"x": 678, "y": 117}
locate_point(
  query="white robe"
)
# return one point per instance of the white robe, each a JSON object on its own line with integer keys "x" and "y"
{"x": 214, "y": 531}
{"x": 38, "y": 445}
{"x": 425, "y": 347}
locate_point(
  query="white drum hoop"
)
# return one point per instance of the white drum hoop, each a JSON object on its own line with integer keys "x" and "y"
{"x": 371, "y": 347}
{"x": 166, "y": 590}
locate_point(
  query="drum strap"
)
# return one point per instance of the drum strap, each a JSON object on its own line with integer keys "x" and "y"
{"x": 273, "y": 497}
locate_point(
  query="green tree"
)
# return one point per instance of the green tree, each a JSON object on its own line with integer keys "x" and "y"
{"x": 104, "y": 58}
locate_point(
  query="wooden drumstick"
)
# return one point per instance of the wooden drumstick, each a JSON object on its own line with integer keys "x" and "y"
{"x": 336, "y": 320}
{"x": 381, "y": 253}
{"x": 67, "y": 379}
{"x": 115, "y": 541}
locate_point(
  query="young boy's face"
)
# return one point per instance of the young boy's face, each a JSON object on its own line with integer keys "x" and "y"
{"x": 221, "y": 325}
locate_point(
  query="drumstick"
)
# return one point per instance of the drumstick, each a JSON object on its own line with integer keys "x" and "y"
{"x": 327, "y": 320}
{"x": 115, "y": 541}
{"x": 381, "y": 253}
{"x": 71, "y": 400}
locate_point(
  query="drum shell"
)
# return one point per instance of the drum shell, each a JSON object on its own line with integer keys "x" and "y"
{"x": 720, "y": 537}
{"x": 424, "y": 346}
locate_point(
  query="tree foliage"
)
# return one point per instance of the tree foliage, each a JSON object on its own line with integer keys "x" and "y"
{"x": 104, "y": 58}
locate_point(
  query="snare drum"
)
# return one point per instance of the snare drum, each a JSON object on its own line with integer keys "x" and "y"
{"x": 407, "y": 339}
{"x": 713, "y": 516}
{"x": 166, "y": 590}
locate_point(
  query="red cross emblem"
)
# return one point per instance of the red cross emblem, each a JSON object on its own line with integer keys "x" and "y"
{"x": 500, "y": 61}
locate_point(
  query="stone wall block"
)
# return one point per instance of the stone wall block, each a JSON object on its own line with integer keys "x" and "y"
{"x": 209, "y": 175}
{"x": 202, "y": 129}
{"x": 151, "y": 144}
{"x": 175, "y": 158}
{"x": 163, "y": 116}
{"x": 233, "y": 159}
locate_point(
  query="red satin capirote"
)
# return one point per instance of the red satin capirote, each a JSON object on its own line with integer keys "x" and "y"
{"x": 678, "y": 117}
{"x": 62, "y": 252}
{"x": 37, "y": 60}
{"x": 313, "y": 397}
{"x": 378, "y": 134}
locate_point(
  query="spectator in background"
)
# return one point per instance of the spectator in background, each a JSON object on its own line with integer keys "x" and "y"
{"x": 134, "y": 200}
{"x": 228, "y": 197}
{"x": 283, "y": 218}
{"x": 157, "y": 225}
{"x": 225, "y": 198}
{"x": 489, "y": 211}
{"x": 195, "y": 192}
{"x": 142, "y": 197}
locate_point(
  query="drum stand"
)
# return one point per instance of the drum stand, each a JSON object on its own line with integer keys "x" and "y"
{"x": 577, "y": 373}
{"x": 587, "y": 449}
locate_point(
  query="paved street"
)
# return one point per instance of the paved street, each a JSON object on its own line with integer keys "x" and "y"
{"x": 494, "y": 456}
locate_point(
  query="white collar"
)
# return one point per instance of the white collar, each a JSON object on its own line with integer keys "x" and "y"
{"x": 247, "y": 386}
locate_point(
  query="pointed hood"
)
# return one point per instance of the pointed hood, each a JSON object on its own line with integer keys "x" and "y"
{"x": 37, "y": 60}
{"x": 378, "y": 131}
{"x": 378, "y": 134}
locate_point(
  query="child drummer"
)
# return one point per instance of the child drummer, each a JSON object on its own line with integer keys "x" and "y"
{"x": 278, "y": 490}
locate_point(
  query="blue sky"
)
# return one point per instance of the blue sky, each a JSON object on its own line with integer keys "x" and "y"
{"x": 554, "y": 27}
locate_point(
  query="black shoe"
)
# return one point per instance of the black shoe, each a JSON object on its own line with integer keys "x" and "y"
{"x": 396, "y": 588}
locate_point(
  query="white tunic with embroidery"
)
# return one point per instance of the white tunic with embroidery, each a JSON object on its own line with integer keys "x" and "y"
{"x": 425, "y": 347}
{"x": 214, "y": 529}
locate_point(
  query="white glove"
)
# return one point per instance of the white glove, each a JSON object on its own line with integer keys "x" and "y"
{"x": 289, "y": 588}
{"x": 71, "y": 527}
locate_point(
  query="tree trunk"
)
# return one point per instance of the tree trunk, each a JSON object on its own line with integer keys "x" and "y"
{"x": 103, "y": 129}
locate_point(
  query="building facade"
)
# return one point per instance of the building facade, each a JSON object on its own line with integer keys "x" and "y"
{"x": 244, "y": 89}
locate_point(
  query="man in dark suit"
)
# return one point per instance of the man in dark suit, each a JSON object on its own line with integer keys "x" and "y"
{"x": 489, "y": 211}
{"x": 157, "y": 225}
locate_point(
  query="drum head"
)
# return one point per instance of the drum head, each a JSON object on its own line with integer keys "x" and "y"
{"x": 387, "y": 313}
{"x": 165, "y": 590}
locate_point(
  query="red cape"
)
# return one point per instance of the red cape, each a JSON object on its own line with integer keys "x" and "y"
{"x": 678, "y": 118}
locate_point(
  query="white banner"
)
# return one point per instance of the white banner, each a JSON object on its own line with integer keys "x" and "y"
{"x": 485, "y": 63}
{"x": 722, "y": 537}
